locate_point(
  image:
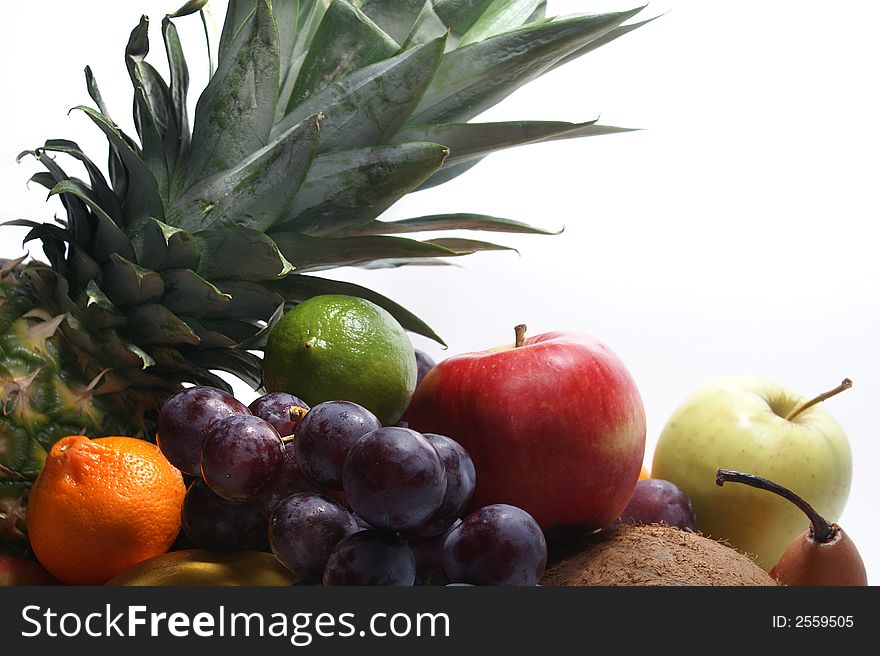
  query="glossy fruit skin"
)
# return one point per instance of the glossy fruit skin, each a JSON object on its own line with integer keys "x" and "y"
{"x": 335, "y": 346}
{"x": 240, "y": 456}
{"x": 326, "y": 435}
{"x": 100, "y": 506}
{"x": 304, "y": 530}
{"x": 730, "y": 422}
{"x": 424, "y": 364}
{"x": 461, "y": 480}
{"x": 275, "y": 408}
{"x": 655, "y": 501}
{"x": 394, "y": 479}
{"x": 833, "y": 563}
{"x": 371, "y": 557}
{"x": 186, "y": 419}
{"x": 428, "y": 553}
{"x": 219, "y": 524}
{"x": 288, "y": 479}
{"x": 556, "y": 426}
{"x": 496, "y": 545}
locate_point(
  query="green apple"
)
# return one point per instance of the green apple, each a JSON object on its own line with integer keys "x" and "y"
{"x": 750, "y": 424}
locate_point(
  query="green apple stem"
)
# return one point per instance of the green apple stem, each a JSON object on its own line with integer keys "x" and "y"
{"x": 520, "y": 331}
{"x": 845, "y": 385}
{"x": 822, "y": 529}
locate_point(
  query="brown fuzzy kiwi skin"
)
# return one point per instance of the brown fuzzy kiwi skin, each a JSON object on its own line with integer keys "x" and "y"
{"x": 655, "y": 555}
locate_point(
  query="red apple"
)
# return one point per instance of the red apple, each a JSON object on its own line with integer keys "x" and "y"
{"x": 555, "y": 425}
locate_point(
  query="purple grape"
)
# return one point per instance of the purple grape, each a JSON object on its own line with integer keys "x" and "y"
{"x": 240, "y": 456}
{"x": 460, "y": 481}
{"x": 655, "y": 501}
{"x": 305, "y": 528}
{"x": 429, "y": 558}
{"x": 424, "y": 364}
{"x": 496, "y": 545}
{"x": 393, "y": 479}
{"x": 288, "y": 480}
{"x": 276, "y": 408}
{"x": 371, "y": 557}
{"x": 325, "y": 436}
{"x": 186, "y": 419}
{"x": 219, "y": 524}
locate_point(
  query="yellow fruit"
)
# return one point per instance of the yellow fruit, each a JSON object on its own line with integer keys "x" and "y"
{"x": 198, "y": 567}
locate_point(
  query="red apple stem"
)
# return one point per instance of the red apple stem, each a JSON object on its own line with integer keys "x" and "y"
{"x": 845, "y": 385}
{"x": 520, "y": 332}
{"x": 822, "y": 530}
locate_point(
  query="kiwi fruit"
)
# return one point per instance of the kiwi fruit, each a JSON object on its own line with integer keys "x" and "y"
{"x": 653, "y": 555}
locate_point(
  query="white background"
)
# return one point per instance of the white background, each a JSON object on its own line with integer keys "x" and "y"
{"x": 736, "y": 233}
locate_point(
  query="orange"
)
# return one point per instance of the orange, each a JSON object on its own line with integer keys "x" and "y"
{"x": 101, "y": 506}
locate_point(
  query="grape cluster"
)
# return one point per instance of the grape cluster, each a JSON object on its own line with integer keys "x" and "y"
{"x": 347, "y": 501}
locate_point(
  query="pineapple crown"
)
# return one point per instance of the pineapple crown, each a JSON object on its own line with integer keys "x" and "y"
{"x": 318, "y": 116}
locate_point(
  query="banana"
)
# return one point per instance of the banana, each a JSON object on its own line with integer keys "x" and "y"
{"x": 197, "y": 567}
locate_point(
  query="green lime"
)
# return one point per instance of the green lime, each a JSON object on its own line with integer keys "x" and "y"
{"x": 342, "y": 348}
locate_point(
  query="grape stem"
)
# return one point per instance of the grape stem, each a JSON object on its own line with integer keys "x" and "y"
{"x": 822, "y": 530}
{"x": 845, "y": 385}
{"x": 520, "y": 332}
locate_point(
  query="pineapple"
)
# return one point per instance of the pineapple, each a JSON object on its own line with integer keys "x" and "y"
{"x": 320, "y": 115}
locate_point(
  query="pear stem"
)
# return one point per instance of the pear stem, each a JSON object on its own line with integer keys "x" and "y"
{"x": 845, "y": 385}
{"x": 822, "y": 529}
{"x": 520, "y": 332}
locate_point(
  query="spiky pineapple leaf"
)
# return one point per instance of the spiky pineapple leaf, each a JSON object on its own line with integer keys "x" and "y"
{"x": 237, "y": 13}
{"x": 142, "y": 200}
{"x": 616, "y": 33}
{"x": 83, "y": 269}
{"x": 246, "y": 366}
{"x": 370, "y": 105}
{"x": 164, "y": 247}
{"x": 128, "y": 284}
{"x": 345, "y": 41}
{"x": 99, "y": 186}
{"x": 461, "y": 246}
{"x": 188, "y": 8}
{"x": 427, "y": 27}
{"x": 154, "y": 324}
{"x": 467, "y": 141}
{"x": 314, "y": 253}
{"x": 240, "y": 332}
{"x": 208, "y": 339}
{"x": 109, "y": 238}
{"x": 473, "y": 78}
{"x": 188, "y": 293}
{"x": 395, "y": 17}
{"x": 352, "y": 187}
{"x": 235, "y": 112}
{"x": 447, "y": 173}
{"x": 152, "y": 102}
{"x": 248, "y": 299}
{"x": 240, "y": 252}
{"x": 257, "y": 190}
{"x": 480, "y": 222}
{"x": 298, "y": 288}
{"x": 500, "y": 16}
{"x": 460, "y": 15}
{"x": 100, "y": 310}
{"x": 179, "y": 88}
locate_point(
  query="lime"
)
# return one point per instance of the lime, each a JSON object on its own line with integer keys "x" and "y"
{"x": 336, "y": 347}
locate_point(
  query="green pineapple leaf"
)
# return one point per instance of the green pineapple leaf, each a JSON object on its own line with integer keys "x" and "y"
{"x": 240, "y": 252}
{"x": 500, "y": 16}
{"x": 395, "y": 17}
{"x": 234, "y": 114}
{"x": 255, "y": 192}
{"x": 186, "y": 292}
{"x": 345, "y": 41}
{"x": 99, "y": 186}
{"x": 368, "y": 106}
{"x": 164, "y": 247}
{"x": 616, "y": 33}
{"x": 480, "y": 222}
{"x": 472, "y": 79}
{"x": 179, "y": 87}
{"x": 246, "y": 366}
{"x": 352, "y": 187}
{"x": 315, "y": 253}
{"x": 154, "y": 324}
{"x": 128, "y": 284}
{"x": 467, "y": 141}
{"x": 461, "y": 246}
{"x": 248, "y": 299}
{"x": 460, "y": 15}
